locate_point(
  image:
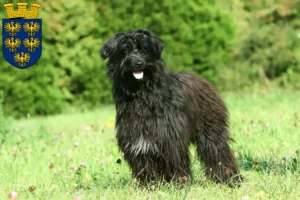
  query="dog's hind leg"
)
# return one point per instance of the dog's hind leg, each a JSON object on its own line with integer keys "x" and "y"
{"x": 214, "y": 151}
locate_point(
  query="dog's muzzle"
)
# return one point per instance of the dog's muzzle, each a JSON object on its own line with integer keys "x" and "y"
{"x": 138, "y": 65}
{"x": 135, "y": 65}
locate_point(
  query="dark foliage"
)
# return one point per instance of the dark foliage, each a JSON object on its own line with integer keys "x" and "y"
{"x": 69, "y": 72}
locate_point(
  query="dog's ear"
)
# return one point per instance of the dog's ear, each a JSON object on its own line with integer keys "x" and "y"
{"x": 159, "y": 43}
{"x": 110, "y": 45}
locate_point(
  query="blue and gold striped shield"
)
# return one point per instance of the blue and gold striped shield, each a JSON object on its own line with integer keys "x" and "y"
{"x": 21, "y": 37}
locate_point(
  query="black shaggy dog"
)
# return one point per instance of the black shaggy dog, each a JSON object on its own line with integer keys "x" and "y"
{"x": 159, "y": 113}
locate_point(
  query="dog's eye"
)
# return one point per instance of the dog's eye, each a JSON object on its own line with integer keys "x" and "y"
{"x": 146, "y": 49}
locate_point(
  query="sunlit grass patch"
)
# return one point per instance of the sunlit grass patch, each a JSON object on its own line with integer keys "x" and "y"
{"x": 76, "y": 155}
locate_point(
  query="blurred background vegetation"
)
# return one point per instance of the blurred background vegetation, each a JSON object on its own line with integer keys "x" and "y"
{"x": 234, "y": 44}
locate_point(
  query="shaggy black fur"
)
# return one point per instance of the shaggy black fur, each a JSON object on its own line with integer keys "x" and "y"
{"x": 159, "y": 113}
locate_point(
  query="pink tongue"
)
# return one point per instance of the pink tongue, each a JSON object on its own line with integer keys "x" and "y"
{"x": 138, "y": 75}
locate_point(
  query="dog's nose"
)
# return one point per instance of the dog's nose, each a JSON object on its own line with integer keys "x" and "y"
{"x": 139, "y": 64}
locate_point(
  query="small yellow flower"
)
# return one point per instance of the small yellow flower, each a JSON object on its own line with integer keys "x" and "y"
{"x": 260, "y": 194}
{"x": 110, "y": 122}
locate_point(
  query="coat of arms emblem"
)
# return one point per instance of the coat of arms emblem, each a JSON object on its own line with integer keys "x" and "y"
{"x": 22, "y": 35}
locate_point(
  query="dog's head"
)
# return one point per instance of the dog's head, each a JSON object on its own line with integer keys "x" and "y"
{"x": 134, "y": 58}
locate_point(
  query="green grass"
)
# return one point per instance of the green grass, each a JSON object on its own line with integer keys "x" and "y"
{"x": 265, "y": 126}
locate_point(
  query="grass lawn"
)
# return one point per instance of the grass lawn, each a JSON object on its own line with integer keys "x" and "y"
{"x": 64, "y": 156}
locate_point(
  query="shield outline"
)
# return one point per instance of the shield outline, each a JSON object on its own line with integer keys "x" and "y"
{"x": 8, "y": 56}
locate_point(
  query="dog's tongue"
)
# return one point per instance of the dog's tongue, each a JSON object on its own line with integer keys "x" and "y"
{"x": 138, "y": 75}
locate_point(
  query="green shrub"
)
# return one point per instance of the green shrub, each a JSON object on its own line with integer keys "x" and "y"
{"x": 1, "y": 111}
{"x": 268, "y": 48}
{"x": 197, "y": 35}
{"x": 3, "y": 130}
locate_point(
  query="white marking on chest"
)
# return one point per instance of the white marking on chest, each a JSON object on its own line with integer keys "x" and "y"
{"x": 142, "y": 146}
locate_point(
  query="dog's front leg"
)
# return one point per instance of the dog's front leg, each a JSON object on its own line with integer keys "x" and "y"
{"x": 144, "y": 168}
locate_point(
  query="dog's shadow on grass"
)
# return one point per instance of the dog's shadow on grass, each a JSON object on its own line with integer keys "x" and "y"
{"x": 118, "y": 181}
{"x": 246, "y": 161}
